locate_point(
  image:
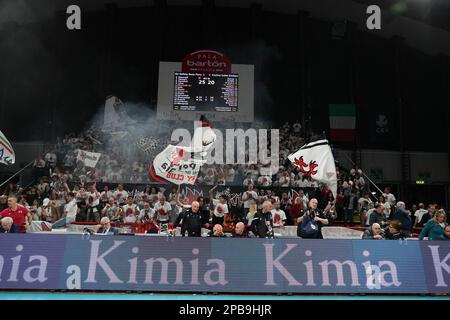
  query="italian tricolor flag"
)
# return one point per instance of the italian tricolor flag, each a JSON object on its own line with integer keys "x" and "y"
{"x": 342, "y": 122}
{"x": 7, "y": 155}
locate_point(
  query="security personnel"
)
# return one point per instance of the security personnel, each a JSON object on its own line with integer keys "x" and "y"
{"x": 262, "y": 223}
{"x": 192, "y": 221}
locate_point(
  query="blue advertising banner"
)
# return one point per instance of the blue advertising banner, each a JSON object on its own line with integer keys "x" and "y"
{"x": 141, "y": 263}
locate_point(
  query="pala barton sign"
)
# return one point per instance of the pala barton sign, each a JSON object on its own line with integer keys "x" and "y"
{"x": 140, "y": 263}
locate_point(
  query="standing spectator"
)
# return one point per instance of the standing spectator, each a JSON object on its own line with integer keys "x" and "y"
{"x": 3, "y": 202}
{"x": 278, "y": 215}
{"x": 434, "y": 229}
{"x": 377, "y": 215}
{"x": 419, "y": 214}
{"x": 248, "y": 180}
{"x": 311, "y": 222}
{"x": 262, "y": 223}
{"x": 191, "y": 221}
{"x": 390, "y": 198}
{"x": 374, "y": 232}
{"x": 51, "y": 159}
{"x": 428, "y": 216}
{"x": 130, "y": 211}
{"x": 220, "y": 208}
{"x": 249, "y": 198}
{"x": 92, "y": 204}
{"x": 105, "y": 195}
{"x": 363, "y": 206}
{"x": 20, "y": 215}
{"x": 350, "y": 206}
{"x": 386, "y": 205}
{"x": 402, "y": 215}
{"x": 163, "y": 209}
{"x": 230, "y": 175}
{"x": 120, "y": 194}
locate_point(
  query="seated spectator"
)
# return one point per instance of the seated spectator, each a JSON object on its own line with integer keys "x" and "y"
{"x": 105, "y": 227}
{"x": 374, "y": 232}
{"x": 7, "y": 226}
{"x": 434, "y": 228}
{"x": 240, "y": 231}
{"x": 70, "y": 212}
{"x": 394, "y": 231}
{"x": 217, "y": 231}
{"x": 446, "y": 235}
{"x": 427, "y": 216}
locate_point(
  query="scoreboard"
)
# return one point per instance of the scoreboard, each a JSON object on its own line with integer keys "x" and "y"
{"x": 206, "y": 92}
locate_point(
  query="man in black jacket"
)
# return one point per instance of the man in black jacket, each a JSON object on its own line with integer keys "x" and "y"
{"x": 192, "y": 221}
{"x": 8, "y": 226}
{"x": 402, "y": 215}
{"x": 311, "y": 222}
{"x": 262, "y": 223}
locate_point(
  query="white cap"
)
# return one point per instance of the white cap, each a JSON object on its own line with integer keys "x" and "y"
{"x": 46, "y": 202}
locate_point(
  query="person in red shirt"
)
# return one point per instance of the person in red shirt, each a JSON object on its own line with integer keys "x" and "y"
{"x": 20, "y": 215}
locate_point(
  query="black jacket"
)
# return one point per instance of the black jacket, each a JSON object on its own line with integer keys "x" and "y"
{"x": 192, "y": 223}
{"x": 347, "y": 202}
{"x": 403, "y": 216}
{"x": 111, "y": 230}
{"x": 312, "y": 214}
{"x": 14, "y": 229}
{"x": 262, "y": 225}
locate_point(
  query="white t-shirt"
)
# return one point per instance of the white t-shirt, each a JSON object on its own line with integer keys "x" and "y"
{"x": 265, "y": 181}
{"x": 278, "y": 216}
{"x": 230, "y": 175}
{"x": 120, "y": 195}
{"x": 389, "y": 198}
{"x": 250, "y": 201}
{"x": 162, "y": 211}
{"x": 105, "y": 195}
{"x": 150, "y": 213}
{"x": 419, "y": 213}
{"x": 284, "y": 181}
{"x": 129, "y": 209}
{"x": 219, "y": 209}
{"x": 247, "y": 182}
{"x": 71, "y": 209}
{"x": 92, "y": 199}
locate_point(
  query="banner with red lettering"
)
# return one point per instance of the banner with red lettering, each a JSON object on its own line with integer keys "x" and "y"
{"x": 179, "y": 164}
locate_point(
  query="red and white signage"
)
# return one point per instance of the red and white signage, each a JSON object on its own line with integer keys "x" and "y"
{"x": 206, "y": 61}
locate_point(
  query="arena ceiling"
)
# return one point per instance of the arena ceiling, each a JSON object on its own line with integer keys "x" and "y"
{"x": 424, "y": 24}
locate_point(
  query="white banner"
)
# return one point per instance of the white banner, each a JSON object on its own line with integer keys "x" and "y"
{"x": 177, "y": 164}
{"x": 316, "y": 160}
{"x": 89, "y": 159}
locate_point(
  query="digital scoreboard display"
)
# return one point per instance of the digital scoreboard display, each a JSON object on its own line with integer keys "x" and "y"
{"x": 206, "y": 92}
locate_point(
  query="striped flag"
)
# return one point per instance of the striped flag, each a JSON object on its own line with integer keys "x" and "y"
{"x": 342, "y": 122}
{"x": 7, "y": 155}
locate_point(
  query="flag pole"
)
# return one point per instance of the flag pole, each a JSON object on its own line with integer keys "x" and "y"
{"x": 364, "y": 174}
{"x": 15, "y": 174}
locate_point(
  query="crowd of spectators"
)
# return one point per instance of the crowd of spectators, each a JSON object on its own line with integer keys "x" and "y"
{"x": 65, "y": 191}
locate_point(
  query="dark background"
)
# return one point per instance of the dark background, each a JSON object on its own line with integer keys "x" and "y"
{"x": 54, "y": 80}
